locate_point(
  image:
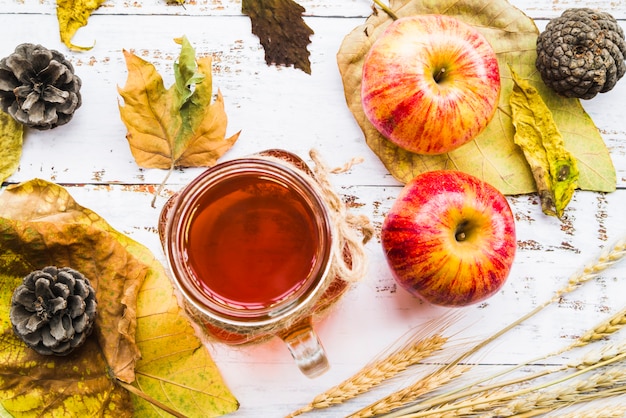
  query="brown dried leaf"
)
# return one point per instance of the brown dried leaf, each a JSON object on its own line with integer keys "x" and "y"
{"x": 281, "y": 30}
{"x": 44, "y": 235}
{"x": 40, "y": 224}
{"x": 76, "y": 385}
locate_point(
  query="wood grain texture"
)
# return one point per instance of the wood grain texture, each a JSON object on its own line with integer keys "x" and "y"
{"x": 283, "y": 107}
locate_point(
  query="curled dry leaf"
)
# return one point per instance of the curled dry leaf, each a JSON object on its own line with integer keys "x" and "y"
{"x": 40, "y": 224}
{"x": 35, "y": 216}
{"x": 493, "y": 155}
{"x": 73, "y": 15}
{"x": 554, "y": 168}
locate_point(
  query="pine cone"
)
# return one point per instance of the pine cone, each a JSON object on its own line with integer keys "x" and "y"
{"x": 38, "y": 87}
{"x": 53, "y": 310}
{"x": 581, "y": 53}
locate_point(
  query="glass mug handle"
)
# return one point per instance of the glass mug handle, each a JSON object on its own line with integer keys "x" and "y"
{"x": 306, "y": 348}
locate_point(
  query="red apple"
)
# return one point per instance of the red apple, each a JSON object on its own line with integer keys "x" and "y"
{"x": 430, "y": 83}
{"x": 449, "y": 238}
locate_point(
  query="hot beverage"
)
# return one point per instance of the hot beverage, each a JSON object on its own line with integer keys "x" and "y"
{"x": 252, "y": 242}
{"x": 250, "y": 246}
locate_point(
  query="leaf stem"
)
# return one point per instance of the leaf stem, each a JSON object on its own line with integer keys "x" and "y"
{"x": 138, "y": 392}
{"x": 386, "y": 9}
{"x": 161, "y": 186}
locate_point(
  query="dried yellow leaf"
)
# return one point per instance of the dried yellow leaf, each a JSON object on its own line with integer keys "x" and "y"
{"x": 11, "y": 136}
{"x": 554, "y": 168}
{"x": 178, "y": 126}
{"x": 73, "y": 15}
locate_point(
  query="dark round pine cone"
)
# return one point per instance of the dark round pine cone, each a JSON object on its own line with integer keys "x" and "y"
{"x": 38, "y": 87}
{"x": 53, "y": 310}
{"x": 581, "y": 53}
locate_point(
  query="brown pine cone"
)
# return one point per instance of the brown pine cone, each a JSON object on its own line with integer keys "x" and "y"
{"x": 581, "y": 53}
{"x": 53, "y": 310}
{"x": 38, "y": 87}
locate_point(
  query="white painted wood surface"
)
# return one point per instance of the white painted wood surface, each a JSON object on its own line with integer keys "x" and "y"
{"x": 283, "y": 107}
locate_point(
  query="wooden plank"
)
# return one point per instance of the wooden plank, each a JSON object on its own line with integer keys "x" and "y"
{"x": 273, "y": 107}
{"x": 537, "y": 9}
{"x": 281, "y": 107}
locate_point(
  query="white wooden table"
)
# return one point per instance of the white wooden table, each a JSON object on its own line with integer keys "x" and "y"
{"x": 286, "y": 108}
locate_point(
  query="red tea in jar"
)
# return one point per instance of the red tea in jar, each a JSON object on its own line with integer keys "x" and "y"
{"x": 252, "y": 242}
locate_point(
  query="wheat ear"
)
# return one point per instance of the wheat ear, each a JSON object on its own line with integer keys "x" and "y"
{"x": 603, "y": 330}
{"x": 601, "y": 385}
{"x": 419, "y": 345}
{"x": 599, "y": 333}
{"x": 605, "y": 355}
{"x": 605, "y": 260}
{"x": 408, "y": 394}
{"x": 373, "y": 375}
{"x": 496, "y": 399}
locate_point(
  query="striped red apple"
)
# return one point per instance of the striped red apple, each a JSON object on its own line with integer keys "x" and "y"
{"x": 449, "y": 238}
{"x": 430, "y": 83}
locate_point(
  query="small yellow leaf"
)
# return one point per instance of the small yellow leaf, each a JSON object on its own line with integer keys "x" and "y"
{"x": 73, "y": 15}
{"x": 11, "y": 136}
{"x": 553, "y": 167}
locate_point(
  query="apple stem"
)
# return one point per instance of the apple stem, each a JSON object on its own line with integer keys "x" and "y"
{"x": 439, "y": 74}
{"x": 386, "y": 9}
{"x": 460, "y": 233}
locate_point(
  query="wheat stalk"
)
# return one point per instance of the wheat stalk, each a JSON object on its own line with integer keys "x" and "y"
{"x": 610, "y": 412}
{"x": 409, "y": 393}
{"x": 598, "y": 386}
{"x": 604, "y": 355}
{"x": 599, "y": 333}
{"x": 605, "y": 260}
{"x": 419, "y": 346}
{"x": 498, "y": 398}
{"x": 374, "y": 374}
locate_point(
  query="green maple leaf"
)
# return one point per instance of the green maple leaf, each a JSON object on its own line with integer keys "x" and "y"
{"x": 281, "y": 30}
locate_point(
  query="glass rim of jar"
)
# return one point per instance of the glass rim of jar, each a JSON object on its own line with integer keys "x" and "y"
{"x": 181, "y": 213}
